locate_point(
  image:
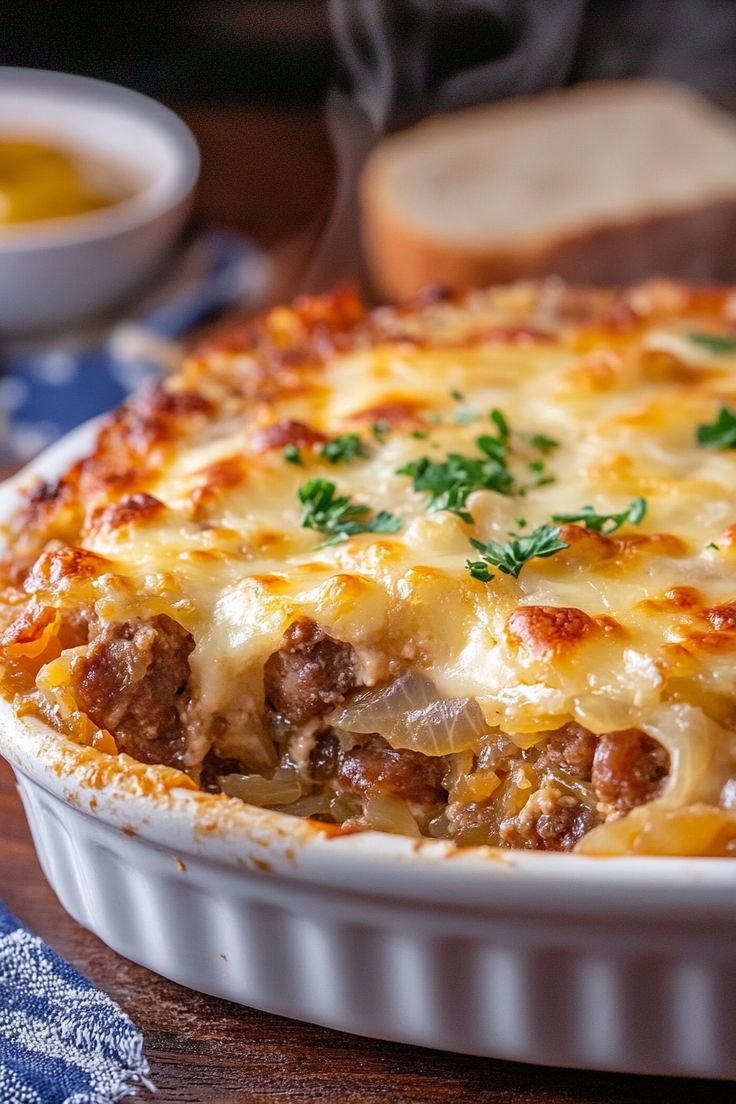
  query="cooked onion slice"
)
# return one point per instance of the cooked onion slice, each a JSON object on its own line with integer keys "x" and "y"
{"x": 409, "y": 713}
{"x": 257, "y": 790}
{"x": 387, "y": 813}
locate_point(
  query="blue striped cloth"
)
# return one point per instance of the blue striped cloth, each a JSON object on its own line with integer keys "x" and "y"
{"x": 49, "y": 387}
{"x": 62, "y": 1041}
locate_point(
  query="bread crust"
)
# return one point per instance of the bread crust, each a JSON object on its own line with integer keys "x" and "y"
{"x": 692, "y": 244}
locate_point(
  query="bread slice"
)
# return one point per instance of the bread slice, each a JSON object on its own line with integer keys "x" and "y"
{"x": 601, "y": 183}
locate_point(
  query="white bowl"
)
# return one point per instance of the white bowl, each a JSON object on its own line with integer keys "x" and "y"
{"x": 56, "y": 273}
{"x": 619, "y": 963}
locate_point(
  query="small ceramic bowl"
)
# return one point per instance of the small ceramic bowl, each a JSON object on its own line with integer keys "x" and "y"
{"x": 59, "y": 272}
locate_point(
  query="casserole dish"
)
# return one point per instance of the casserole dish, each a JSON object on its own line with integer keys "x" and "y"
{"x": 621, "y": 963}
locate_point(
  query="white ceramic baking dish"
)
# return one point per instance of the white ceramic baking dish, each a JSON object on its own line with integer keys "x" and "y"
{"x": 618, "y": 963}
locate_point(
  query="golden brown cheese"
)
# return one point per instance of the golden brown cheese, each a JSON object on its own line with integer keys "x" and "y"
{"x": 189, "y": 508}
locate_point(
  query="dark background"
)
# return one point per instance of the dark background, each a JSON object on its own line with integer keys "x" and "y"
{"x": 441, "y": 52}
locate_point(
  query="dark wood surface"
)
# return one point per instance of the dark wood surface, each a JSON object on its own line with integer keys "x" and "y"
{"x": 269, "y": 174}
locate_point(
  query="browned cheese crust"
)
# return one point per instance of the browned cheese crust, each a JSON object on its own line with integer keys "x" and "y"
{"x": 407, "y": 653}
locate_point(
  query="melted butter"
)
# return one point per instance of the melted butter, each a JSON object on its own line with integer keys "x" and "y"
{"x": 40, "y": 181}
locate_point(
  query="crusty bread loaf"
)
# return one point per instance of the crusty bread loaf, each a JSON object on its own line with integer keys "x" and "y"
{"x": 600, "y": 183}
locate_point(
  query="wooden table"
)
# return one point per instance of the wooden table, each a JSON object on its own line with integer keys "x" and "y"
{"x": 269, "y": 173}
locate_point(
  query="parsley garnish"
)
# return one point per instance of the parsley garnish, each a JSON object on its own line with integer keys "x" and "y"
{"x": 510, "y": 557}
{"x": 713, "y": 545}
{"x": 338, "y": 517}
{"x": 538, "y": 468}
{"x": 292, "y": 455}
{"x": 348, "y": 446}
{"x": 495, "y": 447}
{"x": 500, "y": 423}
{"x": 544, "y": 444}
{"x": 457, "y": 395}
{"x": 720, "y": 434}
{"x": 718, "y": 344}
{"x": 606, "y": 523}
{"x": 448, "y": 482}
{"x": 381, "y": 430}
{"x": 419, "y": 434}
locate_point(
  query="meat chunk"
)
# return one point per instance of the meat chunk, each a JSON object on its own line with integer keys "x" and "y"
{"x": 310, "y": 673}
{"x": 132, "y": 682}
{"x": 549, "y": 822}
{"x": 374, "y": 767}
{"x": 571, "y": 748}
{"x": 561, "y": 830}
{"x": 629, "y": 768}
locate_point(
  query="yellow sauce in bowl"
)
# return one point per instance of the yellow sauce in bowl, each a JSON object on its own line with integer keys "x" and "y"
{"x": 41, "y": 181}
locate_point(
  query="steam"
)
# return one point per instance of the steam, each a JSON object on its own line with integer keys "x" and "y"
{"x": 398, "y": 65}
{"x": 356, "y": 118}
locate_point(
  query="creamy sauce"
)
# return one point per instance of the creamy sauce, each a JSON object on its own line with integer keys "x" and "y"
{"x": 39, "y": 181}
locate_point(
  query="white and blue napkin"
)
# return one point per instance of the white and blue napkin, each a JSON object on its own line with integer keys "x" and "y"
{"x": 62, "y": 1041}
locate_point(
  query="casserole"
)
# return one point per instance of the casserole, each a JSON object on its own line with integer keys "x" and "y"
{"x": 619, "y": 964}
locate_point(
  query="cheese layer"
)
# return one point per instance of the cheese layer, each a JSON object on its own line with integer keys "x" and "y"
{"x": 190, "y": 506}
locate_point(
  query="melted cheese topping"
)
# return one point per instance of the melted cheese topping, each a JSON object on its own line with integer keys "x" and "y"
{"x": 634, "y": 630}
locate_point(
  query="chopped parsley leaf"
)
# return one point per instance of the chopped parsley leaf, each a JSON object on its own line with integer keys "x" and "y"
{"x": 494, "y": 447}
{"x": 449, "y": 482}
{"x": 348, "y": 446}
{"x": 500, "y": 423}
{"x": 381, "y": 430}
{"x": 510, "y": 557}
{"x": 457, "y": 395}
{"x": 292, "y": 455}
{"x": 337, "y": 516}
{"x": 521, "y": 522}
{"x": 419, "y": 434}
{"x": 718, "y": 344}
{"x": 538, "y": 468}
{"x": 545, "y": 445}
{"x": 720, "y": 434}
{"x": 712, "y": 545}
{"x": 606, "y": 523}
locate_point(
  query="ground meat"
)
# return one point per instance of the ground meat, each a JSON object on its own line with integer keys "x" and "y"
{"x": 374, "y": 767}
{"x": 561, "y": 830}
{"x": 629, "y": 768}
{"x": 310, "y": 673}
{"x": 571, "y": 748}
{"x": 549, "y": 822}
{"x": 324, "y": 758}
{"x": 132, "y": 682}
